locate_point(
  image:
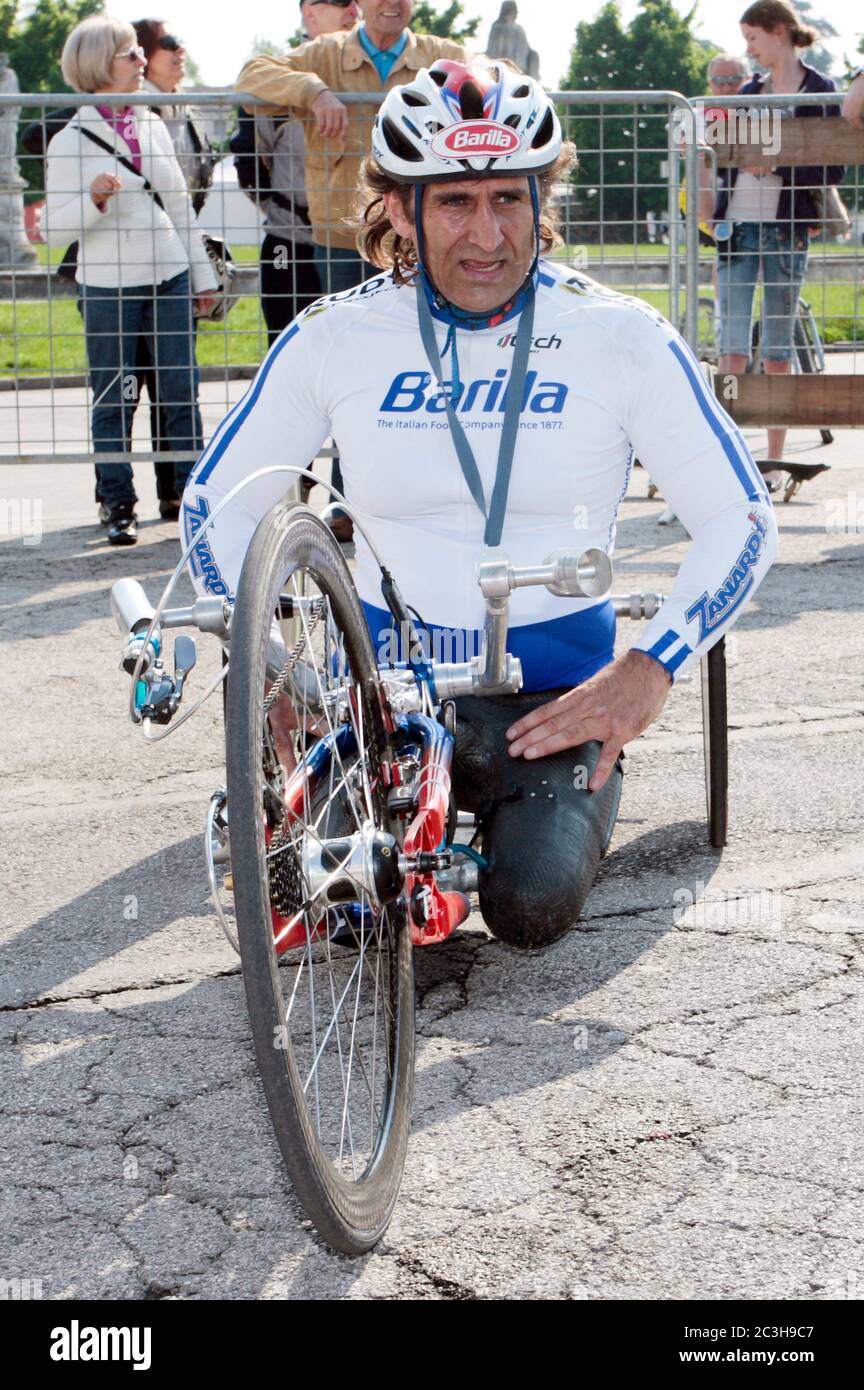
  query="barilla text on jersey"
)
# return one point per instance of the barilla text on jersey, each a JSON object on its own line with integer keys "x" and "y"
{"x": 409, "y": 391}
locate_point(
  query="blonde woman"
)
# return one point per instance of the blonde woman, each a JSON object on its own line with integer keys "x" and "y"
{"x": 113, "y": 183}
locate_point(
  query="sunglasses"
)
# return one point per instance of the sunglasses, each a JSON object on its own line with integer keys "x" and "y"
{"x": 170, "y": 43}
{"x": 136, "y": 54}
{"x": 727, "y": 81}
{"x": 339, "y": 4}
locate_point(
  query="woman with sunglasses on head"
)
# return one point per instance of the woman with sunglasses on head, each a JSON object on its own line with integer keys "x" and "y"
{"x": 114, "y": 184}
{"x": 165, "y": 56}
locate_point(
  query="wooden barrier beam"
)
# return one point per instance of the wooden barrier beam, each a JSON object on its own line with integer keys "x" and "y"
{"x": 802, "y": 140}
{"x": 797, "y": 401}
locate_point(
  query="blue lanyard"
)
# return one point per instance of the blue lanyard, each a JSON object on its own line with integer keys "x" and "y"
{"x": 510, "y": 428}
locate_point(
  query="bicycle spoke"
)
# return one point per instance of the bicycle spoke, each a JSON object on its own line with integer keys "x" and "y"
{"x": 335, "y": 980}
{"x": 337, "y": 1009}
{"x": 330, "y": 729}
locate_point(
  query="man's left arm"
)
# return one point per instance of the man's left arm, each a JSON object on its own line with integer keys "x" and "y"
{"x": 701, "y": 464}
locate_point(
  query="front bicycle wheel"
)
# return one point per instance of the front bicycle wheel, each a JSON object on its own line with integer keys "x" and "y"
{"x": 321, "y": 921}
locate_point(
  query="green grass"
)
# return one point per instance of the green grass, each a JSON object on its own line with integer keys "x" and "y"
{"x": 52, "y": 255}
{"x": 838, "y": 309}
{"x": 37, "y": 337}
{"x": 643, "y": 250}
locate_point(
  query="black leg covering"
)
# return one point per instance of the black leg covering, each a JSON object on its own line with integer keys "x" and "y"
{"x": 544, "y": 833}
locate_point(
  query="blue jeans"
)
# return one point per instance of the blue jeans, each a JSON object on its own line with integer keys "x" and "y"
{"x": 781, "y": 255}
{"x": 114, "y": 320}
{"x": 340, "y": 269}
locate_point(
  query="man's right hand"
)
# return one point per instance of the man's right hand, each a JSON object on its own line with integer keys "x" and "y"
{"x": 103, "y": 187}
{"x": 331, "y": 117}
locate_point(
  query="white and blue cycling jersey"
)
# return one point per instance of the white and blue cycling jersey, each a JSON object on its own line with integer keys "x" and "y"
{"x": 607, "y": 377}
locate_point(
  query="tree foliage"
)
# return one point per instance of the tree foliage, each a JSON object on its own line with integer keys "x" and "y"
{"x": 34, "y": 41}
{"x": 818, "y": 56}
{"x": 619, "y": 177}
{"x": 446, "y": 24}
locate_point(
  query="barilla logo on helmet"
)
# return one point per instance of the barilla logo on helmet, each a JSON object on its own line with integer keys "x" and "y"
{"x": 470, "y": 138}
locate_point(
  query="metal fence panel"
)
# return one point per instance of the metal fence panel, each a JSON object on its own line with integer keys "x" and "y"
{"x": 621, "y": 221}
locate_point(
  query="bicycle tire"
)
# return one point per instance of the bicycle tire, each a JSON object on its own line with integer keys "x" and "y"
{"x": 351, "y": 1213}
{"x": 754, "y": 365}
{"x": 715, "y": 734}
{"x": 706, "y": 344}
{"x": 803, "y": 350}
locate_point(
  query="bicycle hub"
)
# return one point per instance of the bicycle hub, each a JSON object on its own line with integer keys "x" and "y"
{"x": 344, "y": 869}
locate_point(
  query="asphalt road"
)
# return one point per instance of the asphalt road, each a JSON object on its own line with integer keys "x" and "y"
{"x": 666, "y": 1104}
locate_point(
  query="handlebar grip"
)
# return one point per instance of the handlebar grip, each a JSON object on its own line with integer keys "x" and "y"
{"x": 130, "y": 605}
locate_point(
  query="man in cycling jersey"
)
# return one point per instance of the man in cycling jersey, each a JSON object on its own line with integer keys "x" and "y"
{"x": 468, "y": 358}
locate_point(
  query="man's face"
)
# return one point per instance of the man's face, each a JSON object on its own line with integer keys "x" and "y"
{"x": 387, "y": 17}
{"x": 479, "y": 238}
{"x": 328, "y": 19}
{"x": 726, "y": 79}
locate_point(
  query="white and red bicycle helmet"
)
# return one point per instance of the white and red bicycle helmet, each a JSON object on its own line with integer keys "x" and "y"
{"x": 466, "y": 121}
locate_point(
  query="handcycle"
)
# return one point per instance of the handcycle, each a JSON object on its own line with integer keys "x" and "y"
{"x": 341, "y": 843}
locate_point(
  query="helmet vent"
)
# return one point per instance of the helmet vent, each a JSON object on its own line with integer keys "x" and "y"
{"x": 544, "y": 134}
{"x": 521, "y": 92}
{"x": 438, "y": 77}
{"x": 513, "y": 121}
{"x": 414, "y": 99}
{"x": 397, "y": 142}
{"x": 471, "y": 101}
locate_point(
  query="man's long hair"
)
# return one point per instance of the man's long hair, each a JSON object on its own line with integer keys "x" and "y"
{"x": 378, "y": 241}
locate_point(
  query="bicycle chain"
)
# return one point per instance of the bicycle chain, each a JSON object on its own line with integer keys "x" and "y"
{"x": 317, "y": 608}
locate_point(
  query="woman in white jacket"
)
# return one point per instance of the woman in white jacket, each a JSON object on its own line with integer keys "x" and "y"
{"x": 141, "y": 256}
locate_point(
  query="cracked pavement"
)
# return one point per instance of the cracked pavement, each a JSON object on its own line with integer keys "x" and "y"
{"x": 666, "y": 1104}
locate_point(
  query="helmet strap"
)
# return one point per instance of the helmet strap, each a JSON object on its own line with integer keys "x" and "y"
{"x": 466, "y": 318}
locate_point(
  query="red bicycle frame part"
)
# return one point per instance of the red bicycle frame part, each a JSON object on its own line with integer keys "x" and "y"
{"x": 433, "y": 913}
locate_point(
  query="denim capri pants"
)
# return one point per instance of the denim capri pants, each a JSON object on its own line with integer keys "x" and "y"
{"x": 780, "y": 253}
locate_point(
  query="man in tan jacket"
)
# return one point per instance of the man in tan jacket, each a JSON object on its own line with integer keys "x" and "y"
{"x": 378, "y": 54}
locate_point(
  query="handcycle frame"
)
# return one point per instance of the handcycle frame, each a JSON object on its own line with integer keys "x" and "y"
{"x": 344, "y": 899}
{"x": 413, "y": 693}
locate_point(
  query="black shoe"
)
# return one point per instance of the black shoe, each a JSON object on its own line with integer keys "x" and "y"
{"x": 169, "y": 508}
{"x": 123, "y": 525}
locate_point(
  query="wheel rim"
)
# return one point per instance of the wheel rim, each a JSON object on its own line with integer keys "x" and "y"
{"x": 336, "y": 968}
